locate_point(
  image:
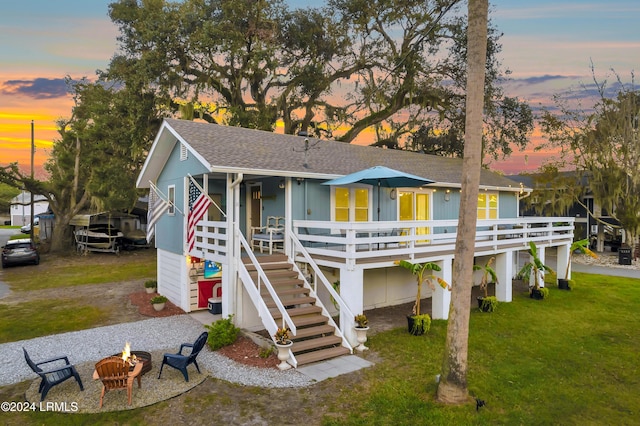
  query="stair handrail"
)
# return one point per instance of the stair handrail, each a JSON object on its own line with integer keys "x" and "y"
{"x": 298, "y": 247}
{"x": 267, "y": 320}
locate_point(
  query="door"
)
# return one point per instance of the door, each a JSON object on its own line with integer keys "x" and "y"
{"x": 255, "y": 207}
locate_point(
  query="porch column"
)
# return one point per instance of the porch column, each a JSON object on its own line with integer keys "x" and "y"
{"x": 541, "y": 256}
{"x": 288, "y": 215}
{"x": 441, "y": 298}
{"x": 504, "y": 270}
{"x": 563, "y": 260}
{"x": 230, "y": 282}
{"x": 352, "y": 292}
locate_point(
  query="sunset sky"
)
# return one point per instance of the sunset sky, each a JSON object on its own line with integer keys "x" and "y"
{"x": 548, "y": 46}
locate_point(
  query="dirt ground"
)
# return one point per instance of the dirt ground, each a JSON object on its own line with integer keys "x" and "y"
{"x": 214, "y": 401}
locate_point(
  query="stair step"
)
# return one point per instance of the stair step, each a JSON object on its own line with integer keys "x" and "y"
{"x": 304, "y": 321}
{"x": 288, "y": 292}
{"x": 321, "y": 355}
{"x": 297, "y": 312}
{"x": 276, "y": 274}
{"x": 266, "y": 259}
{"x": 319, "y": 330}
{"x": 310, "y": 344}
{"x": 292, "y": 301}
{"x": 269, "y": 266}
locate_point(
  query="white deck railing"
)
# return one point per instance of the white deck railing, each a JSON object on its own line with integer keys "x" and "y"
{"x": 376, "y": 241}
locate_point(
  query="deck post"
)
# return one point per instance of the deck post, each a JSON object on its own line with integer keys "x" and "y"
{"x": 562, "y": 261}
{"x": 352, "y": 292}
{"x": 504, "y": 270}
{"x": 441, "y": 298}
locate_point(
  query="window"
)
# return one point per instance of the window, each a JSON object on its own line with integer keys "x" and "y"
{"x": 171, "y": 195}
{"x": 351, "y": 205}
{"x": 414, "y": 205}
{"x": 488, "y": 205}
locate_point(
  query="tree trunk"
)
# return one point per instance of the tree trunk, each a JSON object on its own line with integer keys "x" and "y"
{"x": 452, "y": 388}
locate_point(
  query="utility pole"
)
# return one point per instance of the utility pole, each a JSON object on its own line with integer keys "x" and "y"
{"x": 33, "y": 150}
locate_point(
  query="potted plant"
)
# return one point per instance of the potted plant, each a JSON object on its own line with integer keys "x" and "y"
{"x": 581, "y": 246}
{"x": 535, "y": 269}
{"x": 487, "y": 303}
{"x": 151, "y": 286}
{"x": 158, "y": 302}
{"x": 282, "y": 338}
{"x": 419, "y": 323}
{"x": 361, "y": 328}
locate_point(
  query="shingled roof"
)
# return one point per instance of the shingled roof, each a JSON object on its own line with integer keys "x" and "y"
{"x": 227, "y": 148}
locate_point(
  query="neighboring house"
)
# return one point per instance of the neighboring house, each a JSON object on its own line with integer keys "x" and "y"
{"x": 21, "y": 207}
{"x": 328, "y": 233}
{"x": 592, "y": 222}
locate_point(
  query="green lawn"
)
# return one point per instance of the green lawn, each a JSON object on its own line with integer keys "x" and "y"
{"x": 571, "y": 359}
{"x": 68, "y": 275}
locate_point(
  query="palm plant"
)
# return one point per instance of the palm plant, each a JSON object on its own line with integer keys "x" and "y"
{"x": 487, "y": 272}
{"x": 420, "y": 270}
{"x": 534, "y": 267}
{"x": 581, "y": 246}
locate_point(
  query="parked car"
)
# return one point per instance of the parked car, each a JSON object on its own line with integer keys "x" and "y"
{"x": 21, "y": 251}
{"x": 27, "y": 228}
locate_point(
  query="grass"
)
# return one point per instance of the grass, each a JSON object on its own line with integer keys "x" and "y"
{"x": 42, "y": 318}
{"x": 68, "y": 275}
{"x": 570, "y": 359}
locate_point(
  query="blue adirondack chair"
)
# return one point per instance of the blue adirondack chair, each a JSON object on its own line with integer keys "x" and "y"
{"x": 180, "y": 361}
{"x": 54, "y": 375}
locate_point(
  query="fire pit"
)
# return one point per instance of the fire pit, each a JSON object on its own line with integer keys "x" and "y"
{"x": 144, "y": 358}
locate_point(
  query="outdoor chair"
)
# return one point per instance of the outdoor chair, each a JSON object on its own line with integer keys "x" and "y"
{"x": 53, "y": 375}
{"x": 116, "y": 373}
{"x": 268, "y": 236}
{"x": 180, "y": 361}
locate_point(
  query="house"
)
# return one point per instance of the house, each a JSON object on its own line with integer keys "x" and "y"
{"x": 21, "y": 207}
{"x": 325, "y": 233}
{"x": 591, "y": 220}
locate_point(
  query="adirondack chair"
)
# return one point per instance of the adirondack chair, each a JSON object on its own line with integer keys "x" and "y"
{"x": 180, "y": 361}
{"x": 115, "y": 373}
{"x": 53, "y": 375}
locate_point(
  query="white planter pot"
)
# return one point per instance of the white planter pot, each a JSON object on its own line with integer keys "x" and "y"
{"x": 158, "y": 306}
{"x": 361, "y": 337}
{"x": 283, "y": 355}
{"x": 150, "y": 289}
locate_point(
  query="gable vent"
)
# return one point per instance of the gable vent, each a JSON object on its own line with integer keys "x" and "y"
{"x": 183, "y": 152}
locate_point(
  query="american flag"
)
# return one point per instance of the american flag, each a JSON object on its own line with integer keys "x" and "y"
{"x": 198, "y": 205}
{"x": 157, "y": 206}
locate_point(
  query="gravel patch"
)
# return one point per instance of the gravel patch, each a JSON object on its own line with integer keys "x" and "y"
{"x": 153, "y": 335}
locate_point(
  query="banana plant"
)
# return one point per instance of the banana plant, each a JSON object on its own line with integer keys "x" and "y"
{"x": 534, "y": 267}
{"x": 422, "y": 273}
{"x": 487, "y": 272}
{"x": 581, "y": 246}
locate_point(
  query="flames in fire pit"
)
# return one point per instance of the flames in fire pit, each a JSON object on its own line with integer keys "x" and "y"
{"x": 126, "y": 354}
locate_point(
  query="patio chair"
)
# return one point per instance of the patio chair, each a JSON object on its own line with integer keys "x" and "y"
{"x": 115, "y": 373}
{"x": 180, "y": 361}
{"x": 268, "y": 236}
{"x": 52, "y": 376}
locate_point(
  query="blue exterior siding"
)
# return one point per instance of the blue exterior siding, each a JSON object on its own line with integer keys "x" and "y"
{"x": 508, "y": 205}
{"x": 170, "y": 229}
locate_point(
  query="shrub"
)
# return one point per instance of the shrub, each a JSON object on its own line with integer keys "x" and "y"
{"x": 158, "y": 299}
{"x": 151, "y": 284}
{"x": 222, "y": 333}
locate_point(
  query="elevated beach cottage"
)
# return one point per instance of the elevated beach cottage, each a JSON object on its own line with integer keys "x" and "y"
{"x": 297, "y": 252}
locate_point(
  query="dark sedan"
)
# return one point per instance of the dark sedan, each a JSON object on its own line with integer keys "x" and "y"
{"x": 17, "y": 252}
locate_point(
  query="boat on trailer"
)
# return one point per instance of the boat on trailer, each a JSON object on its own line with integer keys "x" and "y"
{"x": 98, "y": 238}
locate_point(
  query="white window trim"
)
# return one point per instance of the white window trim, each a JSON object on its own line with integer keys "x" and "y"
{"x": 487, "y": 209}
{"x": 415, "y": 191}
{"x": 171, "y": 196}
{"x": 352, "y": 201}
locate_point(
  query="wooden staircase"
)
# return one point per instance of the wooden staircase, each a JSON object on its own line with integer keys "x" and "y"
{"x": 315, "y": 339}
